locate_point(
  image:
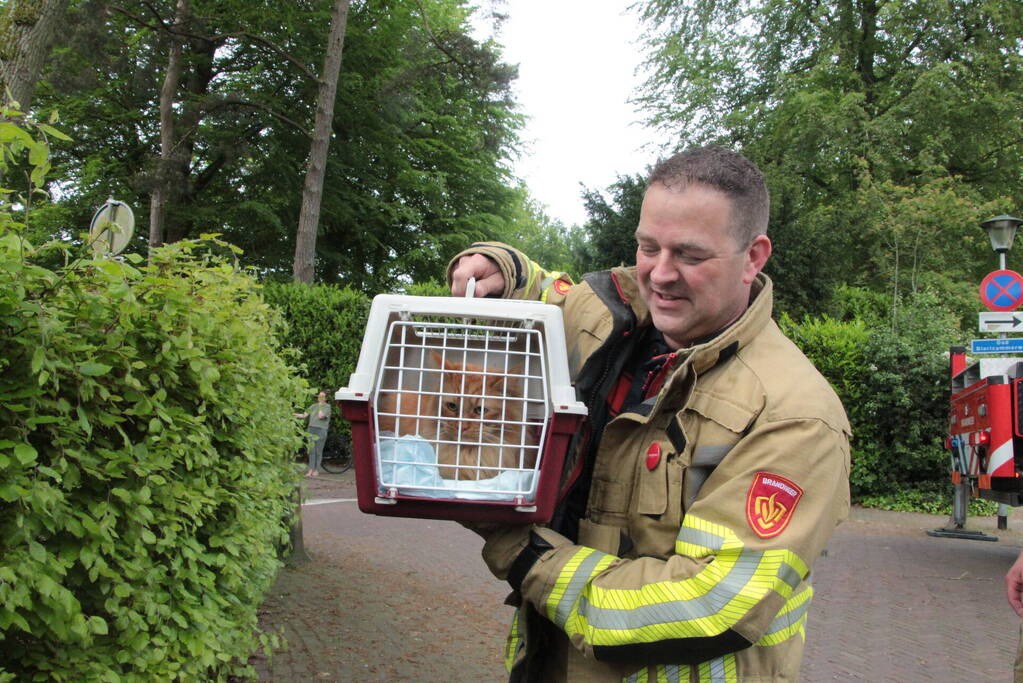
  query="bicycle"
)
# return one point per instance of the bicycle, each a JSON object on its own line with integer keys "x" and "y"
{"x": 337, "y": 454}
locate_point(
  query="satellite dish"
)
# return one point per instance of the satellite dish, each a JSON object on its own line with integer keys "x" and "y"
{"x": 111, "y": 228}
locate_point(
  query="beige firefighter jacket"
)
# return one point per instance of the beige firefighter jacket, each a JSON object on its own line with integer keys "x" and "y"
{"x": 706, "y": 511}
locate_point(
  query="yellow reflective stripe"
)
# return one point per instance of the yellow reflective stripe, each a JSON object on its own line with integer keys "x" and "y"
{"x": 790, "y": 620}
{"x": 720, "y": 670}
{"x": 513, "y": 642}
{"x": 665, "y": 673}
{"x": 797, "y": 628}
{"x": 706, "y": 604}
{"x": 699, "y": 538}
{"x": 562, "y": 602}
{"x": 709, "y": 603}
{"x": 534, "y": 272}
{"x": 638, "y": 677}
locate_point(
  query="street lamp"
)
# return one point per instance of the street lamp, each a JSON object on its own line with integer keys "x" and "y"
{"x": 1001, "y": 230}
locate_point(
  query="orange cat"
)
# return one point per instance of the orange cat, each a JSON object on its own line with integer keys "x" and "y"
{"x": 476, "y": 424}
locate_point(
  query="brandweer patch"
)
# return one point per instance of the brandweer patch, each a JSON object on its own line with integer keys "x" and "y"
{"x": 770, "y": 503}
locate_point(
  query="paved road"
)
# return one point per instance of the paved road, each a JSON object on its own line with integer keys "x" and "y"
{"x": 894, "y": 604}
{"x": 409, "y": 600}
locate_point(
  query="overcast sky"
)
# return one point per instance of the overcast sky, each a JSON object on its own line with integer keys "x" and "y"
{"x": 577, "y": 62}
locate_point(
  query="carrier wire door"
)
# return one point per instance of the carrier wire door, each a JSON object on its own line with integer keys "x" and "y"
{"x": 467, "y": 409}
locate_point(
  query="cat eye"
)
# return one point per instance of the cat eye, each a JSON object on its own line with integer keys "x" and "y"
{"x": 451, "y": 405}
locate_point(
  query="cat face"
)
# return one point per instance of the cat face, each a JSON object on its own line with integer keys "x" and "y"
{"x": 474, "y": 403}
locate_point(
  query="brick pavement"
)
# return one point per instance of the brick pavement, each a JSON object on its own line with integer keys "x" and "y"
{"x": 892, "y": 603}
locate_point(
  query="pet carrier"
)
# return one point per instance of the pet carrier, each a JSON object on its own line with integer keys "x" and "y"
{"x": 461, "y": 408}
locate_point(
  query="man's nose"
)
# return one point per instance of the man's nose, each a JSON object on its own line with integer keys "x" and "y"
{"x": 663, "y": 269}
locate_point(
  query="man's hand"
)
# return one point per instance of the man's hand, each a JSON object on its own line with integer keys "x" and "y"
{"x": 488, "y": 276}
{"x": 1014, "y": 585}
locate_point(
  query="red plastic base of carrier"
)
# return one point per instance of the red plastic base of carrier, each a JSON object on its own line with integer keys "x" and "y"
{"x": 559, "y": 432}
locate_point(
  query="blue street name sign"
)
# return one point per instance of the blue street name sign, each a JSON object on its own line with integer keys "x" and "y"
{"x": 996, "y": 345}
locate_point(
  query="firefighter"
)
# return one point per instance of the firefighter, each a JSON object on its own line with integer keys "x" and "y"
{"x": 714, "y": 464}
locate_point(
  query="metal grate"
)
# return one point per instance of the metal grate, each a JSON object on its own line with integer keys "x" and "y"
{"x": 461, "y": 409}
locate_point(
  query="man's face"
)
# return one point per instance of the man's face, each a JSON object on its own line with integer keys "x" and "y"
{"x": 321, "y": 397}
{"x": 693, "y": 275}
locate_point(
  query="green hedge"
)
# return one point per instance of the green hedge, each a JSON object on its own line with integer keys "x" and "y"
{"x": 145, "y": 438}
{"x": 325, "y": 325}
{"x": 893, "y": 381}
{"x": 324, "y": 329}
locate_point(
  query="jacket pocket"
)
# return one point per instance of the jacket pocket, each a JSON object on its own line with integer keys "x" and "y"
{"x": 657, "y": 507}
{"x": 652, "y": 489}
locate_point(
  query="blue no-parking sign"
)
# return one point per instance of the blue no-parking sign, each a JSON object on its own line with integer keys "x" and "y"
{"x": 1002, "y": 290}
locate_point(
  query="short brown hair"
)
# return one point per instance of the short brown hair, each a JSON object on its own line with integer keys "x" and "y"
{"x": 724, "y": 170}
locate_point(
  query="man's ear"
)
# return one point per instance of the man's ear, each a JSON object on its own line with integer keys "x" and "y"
{"x": 757, "y": 254}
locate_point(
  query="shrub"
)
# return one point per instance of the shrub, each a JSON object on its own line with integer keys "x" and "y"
{"x": 432, "y": 288}
{"x": 145, "y": 429}
{"x": 324, "y": 329}
{"x": 893, "y": 382}
{"x": 931, "y": 497}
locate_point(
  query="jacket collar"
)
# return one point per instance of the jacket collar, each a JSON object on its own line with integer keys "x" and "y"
{"x": 707, "y": 354}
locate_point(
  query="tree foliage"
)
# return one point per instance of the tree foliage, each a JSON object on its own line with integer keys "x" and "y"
{"x": 325, "y": 326}
{"x": 423, "y": 124}
{"x": 893, "y": 382}
{"x": 611, "y": 226}
{"x": 887, "y": 131}
{"x": 530, "y": 229}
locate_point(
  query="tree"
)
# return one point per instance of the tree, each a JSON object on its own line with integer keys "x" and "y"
{"x": 312, "y": 192}
{"x": 417, "y": 167}
{"x": 28, "y": 29}
{"x": 420, "y": 167}
{"x": 533, "y": 231}
{"x": 158, "y": 195}
{"x": 866, "y": 117}
{"x": 237, "y": 61}
{"x": 612, "y": 223}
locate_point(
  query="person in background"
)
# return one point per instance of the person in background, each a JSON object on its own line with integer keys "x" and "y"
{"x": 319, "y": 422}
{"x": 714, "y": 465}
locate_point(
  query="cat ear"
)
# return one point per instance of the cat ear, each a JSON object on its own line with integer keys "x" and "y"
{"x": 511, "y": 385}
{"x": 442, "y": 362}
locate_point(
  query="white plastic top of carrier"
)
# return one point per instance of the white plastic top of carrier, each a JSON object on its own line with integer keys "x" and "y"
{"x": 389, "y": 307}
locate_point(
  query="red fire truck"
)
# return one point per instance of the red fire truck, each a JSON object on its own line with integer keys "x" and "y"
{"x": 985, "y": 436}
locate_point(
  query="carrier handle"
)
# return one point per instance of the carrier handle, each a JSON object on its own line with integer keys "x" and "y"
{"x": 470, "y": 288}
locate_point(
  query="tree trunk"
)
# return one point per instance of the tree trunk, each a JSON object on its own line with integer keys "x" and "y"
{"x": 161, "y": 185}
{"x": 28, "y": 29}
{"x": 312, "y": 192}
